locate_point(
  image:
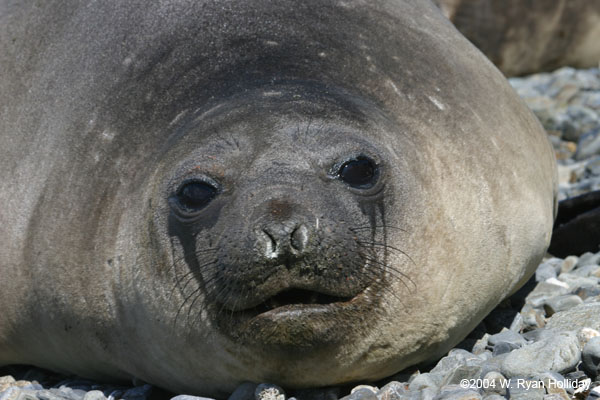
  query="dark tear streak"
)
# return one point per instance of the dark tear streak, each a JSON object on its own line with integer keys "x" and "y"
{"x": 381, "y": 206}
{"x": 187, "y": 239}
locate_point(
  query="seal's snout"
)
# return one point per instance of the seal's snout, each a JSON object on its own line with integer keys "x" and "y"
{"x": 277, "y": 240}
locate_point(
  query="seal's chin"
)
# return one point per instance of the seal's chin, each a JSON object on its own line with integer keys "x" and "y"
{"x": 293, "y": 301}
{"x": 297, "y": 318}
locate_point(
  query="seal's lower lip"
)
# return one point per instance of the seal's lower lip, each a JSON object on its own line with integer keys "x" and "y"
{"x": 294, "y": 301}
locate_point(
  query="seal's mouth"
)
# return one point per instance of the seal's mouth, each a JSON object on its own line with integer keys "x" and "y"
{"x": 291, "y": 299}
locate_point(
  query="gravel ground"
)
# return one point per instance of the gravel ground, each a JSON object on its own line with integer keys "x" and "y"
{"x": 541, "y": 343}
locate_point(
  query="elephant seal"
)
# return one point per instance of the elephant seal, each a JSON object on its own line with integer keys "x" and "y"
{"x": 201, "y": 193}
{"x": 524, "y": 37}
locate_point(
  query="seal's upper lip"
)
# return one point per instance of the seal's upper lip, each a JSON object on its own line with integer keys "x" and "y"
{"x": 294, "y": 299}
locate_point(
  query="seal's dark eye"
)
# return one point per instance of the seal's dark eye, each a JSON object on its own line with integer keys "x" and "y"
{"x": 194, "y": 196}
{"x": 360, "y": 172}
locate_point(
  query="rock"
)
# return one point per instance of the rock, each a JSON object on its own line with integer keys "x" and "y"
{"x": 245, "y": 391}
{"x": 554, "y": 396}
{"x": 594, "y": 394}
{"x": 588, "y": 145}
{"x": 537, "y": 335}
{"x": 493, "y": 397}
{"x": 568, "y": 264}
{"x": 588, "y": 271}
{"x": 545, "y": 271}
{"x": 590, "y": 357}
{"x": 575, "y": 381}
{"x": 494, "y": 382}
{"x": 480, "y": 345}
{"x": 187, "y": 397}
{"x": 586, "y": 334}
{"x": 561, "y": 303}
{"x": 12, "y": 393}
{"x": 504, "y": 347}
{"x": 426, "y": 394}
{"x": 586, "y": 293}
{"x": 139, "y": 393}
{"x": 6, "y": 379}
{"x": 586, "y": 315}
{"x": 69, "y": 393}
{"x": 525, "y": 389}
{"x": 575, "y": 282}
{"x": 461, "y": 372}
{"x": 32, "y": 386}
{"x": 94, "y": 395}
{"x": 268, "y": 391}
{"x": 373, "y": 389}
{"x": 392, "y": 391}
{"x": 554, "y": 383}
{"x": 507, "y": 336}
{"x": 362, "y": 392}
{"x": 49, "y": 395}
{"x": 588, "y": 259}
{"x": 578, "y": 121}
{"x": 592, "y": 167}
{"x": 559, "y": 352}
{"x": 455, "y": 392}
{"x": 532, "y": 318}
{"x": 113, "y": 394}
{"x": 330, "y": 393}
{"x": 546, "y": 290}
{"x": 423, "y": 381}
{"x": 517, "y": 324}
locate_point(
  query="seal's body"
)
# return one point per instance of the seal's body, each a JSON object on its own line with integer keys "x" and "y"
{"x": 202, "y": 193}
{"x": 523, "y": 37}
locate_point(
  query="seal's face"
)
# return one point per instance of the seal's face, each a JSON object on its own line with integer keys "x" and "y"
{"x": 277, "y": 227}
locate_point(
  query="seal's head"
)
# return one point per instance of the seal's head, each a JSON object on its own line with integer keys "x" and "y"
{"x": 274, "y": 206}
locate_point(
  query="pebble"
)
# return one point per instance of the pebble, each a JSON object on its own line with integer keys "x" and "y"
{"x": 245, "y": 391}
{"x": 94, "y": 395}
{"x": 422, "y": 381}
{"x": 523, "y": 389}
{"x": 12, "y": 393}
{"x": 362, "y": 394}
{"x": 544, "y": 272}
{"x": 393, "y": 391}
{"x": 559, "y": 353}
{"x": 495, "y": 383}
{"x": 545, "y": 291}
{"x": 590, "y": 357}
{"x": 588, "y": 259}
{"x": 269, "y": 391}
{"x": 182, "y": 397}
{"x": 554, "y": 384}
{"x": 507, "y": 336}
{"x": 455, "y": 392}
{"x": 561, "y": 303}
{"x": 493, "y": 397}
{"x": 575, "y": 282}
{"x": 586, "y": 315}
{"x": 588, "y": 145}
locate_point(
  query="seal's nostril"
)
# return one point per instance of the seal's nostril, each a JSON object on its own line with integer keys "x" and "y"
{"x": 276, "y": 241}
{"x": 267, "y": 244}
{"x": 299, "y": 238}
{"x": 273, "y": 243}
